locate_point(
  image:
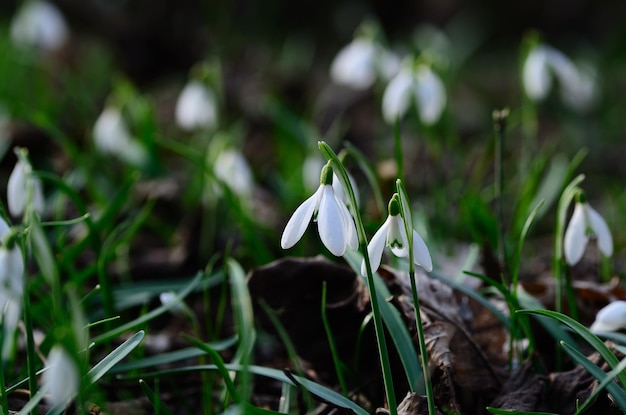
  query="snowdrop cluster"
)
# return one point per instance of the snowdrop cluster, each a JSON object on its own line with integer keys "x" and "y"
{"x": 585, "y": 222}
{"x": 112, "y": 136}
{"x": 196, "y": 107}
{"x": 39, "y": 24}
{"x": 578, "y": 85}
{"x": 334, "y": 222}
{"x": 416, "y": 83}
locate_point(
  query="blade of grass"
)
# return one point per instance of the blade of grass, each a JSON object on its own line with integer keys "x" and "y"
{"x": 331, "y": 344}
{"x": 154, "y": 399}
{"x": 513, "y": 412}
{"x": 113, "y": 358}
{"x": 587, "y": 335}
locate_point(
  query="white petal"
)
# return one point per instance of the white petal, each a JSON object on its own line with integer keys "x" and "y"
{"x": 341, "y": 193}
{"x": 610, "y": 318}
{"x": 110, "y": 132}
{"x": 430, "y": 95}
{"x": 601, "y": 230}
{"x": 16, "y": 189}
{"x": 61, "y": 378}
{"x": 535, "y": 74}
{"x": 352, "y": 240}
{"x": 39, "y": 24}
{"x": 299, "y": 221}
{"x": 354, "y": 65}
{"x": 397, "y": 95}
{"x": 396, "y": 237}
{"x": 196, "y": 107}
{"x": 421, "y": 255}
{"x": 376, "y": 247}
{"x": 581, "y": 94}
{"x": 576, "y": 236}
{"x": 330, "y": 223}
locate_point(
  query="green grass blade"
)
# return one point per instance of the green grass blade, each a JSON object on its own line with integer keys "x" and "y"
{"x": 159, "y": 406}
{"x": 110, "y": 360}
{"x": 587, "y": 335}
{"x": 172, "y": 357}
{"x": 606, "y": 379}
{"x": 396, "y": 327}
{"x": 320, "y": 391}
{"x": 152, "y": 314}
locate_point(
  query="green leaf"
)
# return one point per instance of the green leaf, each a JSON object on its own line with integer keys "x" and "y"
{"x": 320, "y": 391}
{"x": 513, "y": 412}
{"x": 154, "y": 399}
{"x": 606, "y": 379}
{"x": 587, "y": 335}
{"x": 152, "y": 314}
{"x": 113, "y": 358}
{"x": 175, "y": 356}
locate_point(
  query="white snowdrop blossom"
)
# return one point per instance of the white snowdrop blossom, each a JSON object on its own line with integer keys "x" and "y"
{"x": 11, "y": 287}
{"x": 578, "y": 85}
{"x": 334, "y": 223}
{"x": 61, "y": 379}
{"x": 24, "y": 189}
{"x": 610, "y": 318}
{"x": 39, "y": 24}
{"x": 232, "y": 168}
{"x": 393, "y": 234}
{"x": 196, "y": 107}
{"x": 585, "y": 222}
{"x": 169, "y": 296}
{"x": 361, "y": 62}
{"x": 420, "y": 84}
{"x": 111, "y": 136}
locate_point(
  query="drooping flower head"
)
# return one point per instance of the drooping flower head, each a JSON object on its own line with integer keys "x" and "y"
{"x": 610, "y": 318}
{"x": 39, "y": 24}
{"x": 578, "y": 84}
{"x": 585, "y": 223}
{"x": 196, "y": 107}
{"x": 393, "y": 234}
{"x": 334, "y": 223}
{"x": 415, "y": 82}
{"x": 11, "y": 285}
{"x": 112, "y": 136}
{"x": 24, "y": 189}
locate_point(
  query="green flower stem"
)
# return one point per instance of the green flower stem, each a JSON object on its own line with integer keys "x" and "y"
{"x": 383, "y": 354}
{"x": 499, "y": 126}
{"x": 430, "y": 398}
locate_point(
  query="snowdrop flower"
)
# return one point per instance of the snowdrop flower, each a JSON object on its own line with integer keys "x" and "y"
{"x": 11, "y": 287}
{"x": 312, "y": 165}
{"x": 196, "y": 107}
{"x": 23, "y": 189}
{"x": 39, "y": 24}
{"x": 61, "y": 379}
{"x": 170, "y": 296}
{"x": 393, "y": 234}
{"x": 360, "y": 62}
{"x": 610, "y": 318}
{"x": 334, "y": 223}
{"x": 585, "y": 221}
{"x": 111, "y": 136}
{"x": 420, "y": 83}
{"x": 232, "y": 168}
{"x": 578, "y": 84}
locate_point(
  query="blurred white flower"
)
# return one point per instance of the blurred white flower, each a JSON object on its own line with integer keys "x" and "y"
{"x": 61, "y": 379}
{"x": 361, "y": 62}
{"x": 585, "y": 222}
{"x": 11, "y": 287}
{"x": 196, "y": 107}
{"x": 578, "y": 86}
{"x": 232, "y": 168}
{"x": 39, "y": 24}
{"x": 393, "y": 234}
{"x": 334, "y": 223}
{"x": 419, "y": 83}
{"x": 167, "y": 297}
{"x": 23, "y": 188}
{"x": 610, "y": 318}
{"x": 111, "y": 136}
